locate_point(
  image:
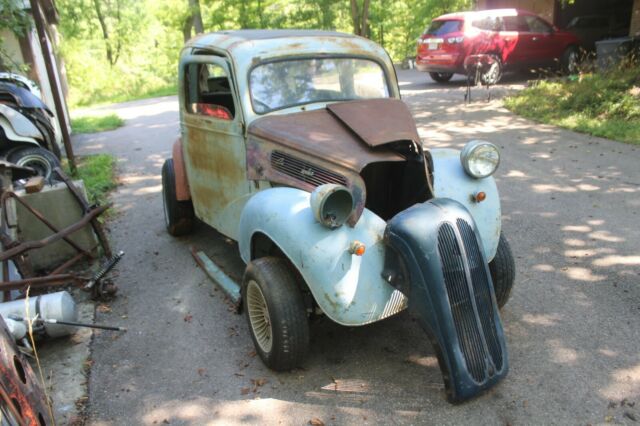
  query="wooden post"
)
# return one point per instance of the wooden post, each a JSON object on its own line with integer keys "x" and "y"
{"x": 53, "y": 82}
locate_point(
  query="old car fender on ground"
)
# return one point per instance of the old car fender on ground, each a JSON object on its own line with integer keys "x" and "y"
{"x": 451, "y": 181}
{"x": 348, "y": 288}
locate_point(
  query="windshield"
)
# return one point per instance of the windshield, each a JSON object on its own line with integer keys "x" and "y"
{"x": 442, "y": 27}
{"x": 283, "y": 84}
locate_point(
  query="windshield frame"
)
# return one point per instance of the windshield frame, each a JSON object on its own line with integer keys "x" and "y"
{"x": 375, "y": 60}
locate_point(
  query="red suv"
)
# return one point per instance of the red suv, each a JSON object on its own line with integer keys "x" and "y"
{"x": 513, "y": 38}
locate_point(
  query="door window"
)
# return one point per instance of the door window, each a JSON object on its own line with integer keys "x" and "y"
{"x": 537, "y": 25}
{"x": 208, "y": 91}
{"x": 515, "y": 23}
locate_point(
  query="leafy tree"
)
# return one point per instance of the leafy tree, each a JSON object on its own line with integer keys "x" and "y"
{"x": 15, "y": 19}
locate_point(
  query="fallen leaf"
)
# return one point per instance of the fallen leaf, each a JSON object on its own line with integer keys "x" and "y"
{"x": 104, "y": 308}
{"x": 316, "y": 422}
{"x": 258, "y": 382}
{"x": 244, "y": 391}
{"x": 202, "y": 371}
{"x": 238, "y": 374}
{"x": 188, "y": 318}
{"x": 252, "y": 354}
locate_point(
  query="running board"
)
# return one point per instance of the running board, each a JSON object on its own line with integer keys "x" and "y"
{"x": 213, "y": 271}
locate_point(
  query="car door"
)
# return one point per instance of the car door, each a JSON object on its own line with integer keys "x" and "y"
{"x": 213, "y": 141}
{"x": 544, "y": 48}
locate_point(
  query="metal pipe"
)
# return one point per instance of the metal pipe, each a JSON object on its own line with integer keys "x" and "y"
{"x": 53, "y": 82}
{"x": 49, "y": 280}
{"x": 229, "y": 286}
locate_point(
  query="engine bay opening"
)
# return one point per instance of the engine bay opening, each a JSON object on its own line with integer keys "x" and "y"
{"x": 394, "y": 186}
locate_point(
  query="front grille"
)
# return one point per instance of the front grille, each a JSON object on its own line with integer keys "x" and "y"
{"x": 477, "y": 334}
{"x": 303, "y": 170}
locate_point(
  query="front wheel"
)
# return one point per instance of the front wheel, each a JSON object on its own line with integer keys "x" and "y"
{"x": 41, "y": 160}
{"x": 503, "y": 271}
{"x": 570, "y": 60}
{"x": 276, "y": 313}
{"x": 441, "y": 77}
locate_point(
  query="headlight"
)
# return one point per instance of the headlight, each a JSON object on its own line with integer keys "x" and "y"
{"x": 331, "y": 205}
{"x": 480, "y": 159}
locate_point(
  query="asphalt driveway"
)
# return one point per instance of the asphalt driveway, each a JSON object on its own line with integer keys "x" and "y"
{"x": 571, "y": 210}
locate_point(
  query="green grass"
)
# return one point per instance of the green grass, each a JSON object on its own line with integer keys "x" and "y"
{"x": 168, "y": 90}
{"x": 600, "y": 104}
{"x": 96, "y": 123}
{"x": 99, "y": 176}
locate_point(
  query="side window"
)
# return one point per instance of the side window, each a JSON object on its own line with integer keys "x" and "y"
{"x": 537, "y": 25}
{"x": 490, "y": 23}
{"x": 515, "y": 23}
{"x": 208, "y": 91}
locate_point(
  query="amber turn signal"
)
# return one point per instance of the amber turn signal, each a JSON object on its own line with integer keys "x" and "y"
{"x": 357, "y": 248}
{"x": 479, "y": 197}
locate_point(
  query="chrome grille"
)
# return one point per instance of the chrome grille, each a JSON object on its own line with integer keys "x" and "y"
{"x": 477, "y": 333}
{"x": 303, "y": 170}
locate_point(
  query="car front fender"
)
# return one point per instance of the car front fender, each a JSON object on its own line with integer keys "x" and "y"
{"x": 451, "y": 181}
{"x": 17, "y": 127}
{"x": 348, "y": 288}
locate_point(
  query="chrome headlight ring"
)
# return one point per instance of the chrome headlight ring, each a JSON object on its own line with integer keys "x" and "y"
{"x": 480, "y": 159}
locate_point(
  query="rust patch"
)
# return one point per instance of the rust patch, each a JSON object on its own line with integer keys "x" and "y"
{"x": 182, "y": 182}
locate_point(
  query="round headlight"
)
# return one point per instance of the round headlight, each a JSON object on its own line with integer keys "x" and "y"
{"x": 331, "y": 204}
{"x": 480, "y": 159}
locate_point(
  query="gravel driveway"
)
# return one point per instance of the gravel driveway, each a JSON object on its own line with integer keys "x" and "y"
{"x": 571, "y": 207}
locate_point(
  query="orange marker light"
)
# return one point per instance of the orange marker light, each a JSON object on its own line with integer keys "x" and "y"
{"x": 357, "y": 248}
{"x": 479, "y": 197}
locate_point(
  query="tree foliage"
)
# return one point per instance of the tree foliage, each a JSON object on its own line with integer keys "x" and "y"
{"x": 14, "y": 19}
{"x": 139, "y": 50}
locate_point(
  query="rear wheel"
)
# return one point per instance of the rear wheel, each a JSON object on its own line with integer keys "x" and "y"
{"x": 441, "y": 77}
{"x": 276, "y": 313}
{"x": 41, "y": 160}
{"x": 503, "y": 271}
{"x": 178, "y": 215}
{"x": 493, "y": 74}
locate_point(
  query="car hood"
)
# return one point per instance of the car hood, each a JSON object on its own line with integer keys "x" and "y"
{"x": 348, "y": 134}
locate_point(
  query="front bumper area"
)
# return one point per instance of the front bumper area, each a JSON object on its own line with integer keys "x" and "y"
{"x": 449, "y": 288}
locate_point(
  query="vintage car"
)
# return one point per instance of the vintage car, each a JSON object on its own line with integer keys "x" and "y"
{"x": 296, "y": 145}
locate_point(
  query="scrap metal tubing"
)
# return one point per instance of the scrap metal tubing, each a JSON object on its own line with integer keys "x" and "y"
{"x": 29, "y": 245}
{"x": 97, "y": 226}
{"x": 49, "y": 280}
{"x": 40, "y": 216}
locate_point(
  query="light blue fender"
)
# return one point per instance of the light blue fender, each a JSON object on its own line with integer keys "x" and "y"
{"x": 17, "y": 127}
{"x": 348, "y": 288}
{"x": 451, "y": 181}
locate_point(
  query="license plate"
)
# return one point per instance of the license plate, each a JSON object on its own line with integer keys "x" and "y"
{"x": 432, "y": 46}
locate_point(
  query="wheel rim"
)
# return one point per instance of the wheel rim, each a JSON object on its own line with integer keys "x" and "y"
{"x": 259, "y": 316}
{"x": 40, "y": 164}
{"x": 572, "y": 62}
{"x": 492, "y": 74}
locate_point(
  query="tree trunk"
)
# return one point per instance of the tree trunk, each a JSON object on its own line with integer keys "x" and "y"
{"x": 186, "y": 29}
{"x": 355, "y": 16}
{"x": 196, "y": 15}
{"x": 105, "y": 32}
{"x": 364, "y": 18}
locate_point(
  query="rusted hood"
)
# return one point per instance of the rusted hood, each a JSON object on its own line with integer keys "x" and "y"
{"x": 377, "y": 121}
{"x": 349, "y": 134}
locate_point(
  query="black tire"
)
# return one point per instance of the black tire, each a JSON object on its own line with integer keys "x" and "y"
{"x": 570, "y": 60}
{"x": 493, "y": 74}
{"x": 281, "y": 336}
{"x": 503, "y": 271}
{"x": 41, "y": 160}
{"x": 441, "y": 77}
{"x": 178, "y": 215}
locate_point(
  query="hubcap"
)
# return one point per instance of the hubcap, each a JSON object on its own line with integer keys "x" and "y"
{"x": 572, "y": 65}
{"x": 492, "y": 74}
{"x": 259, "y": 316}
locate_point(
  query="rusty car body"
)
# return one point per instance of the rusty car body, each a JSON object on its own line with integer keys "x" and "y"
{"x": 296, "y": 145}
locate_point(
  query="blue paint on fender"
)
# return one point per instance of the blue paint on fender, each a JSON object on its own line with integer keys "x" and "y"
{"x": 348, "y": 288}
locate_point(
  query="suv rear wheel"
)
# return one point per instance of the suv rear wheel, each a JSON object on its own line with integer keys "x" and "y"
{"x": 493, "y": 74}
{"x": 441, "y": 77}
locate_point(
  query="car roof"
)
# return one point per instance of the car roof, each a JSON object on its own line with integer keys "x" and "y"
{"x": 481, "y": 13}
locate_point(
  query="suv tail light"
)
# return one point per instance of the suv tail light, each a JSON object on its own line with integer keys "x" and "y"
{"x": 455, "y": 40}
